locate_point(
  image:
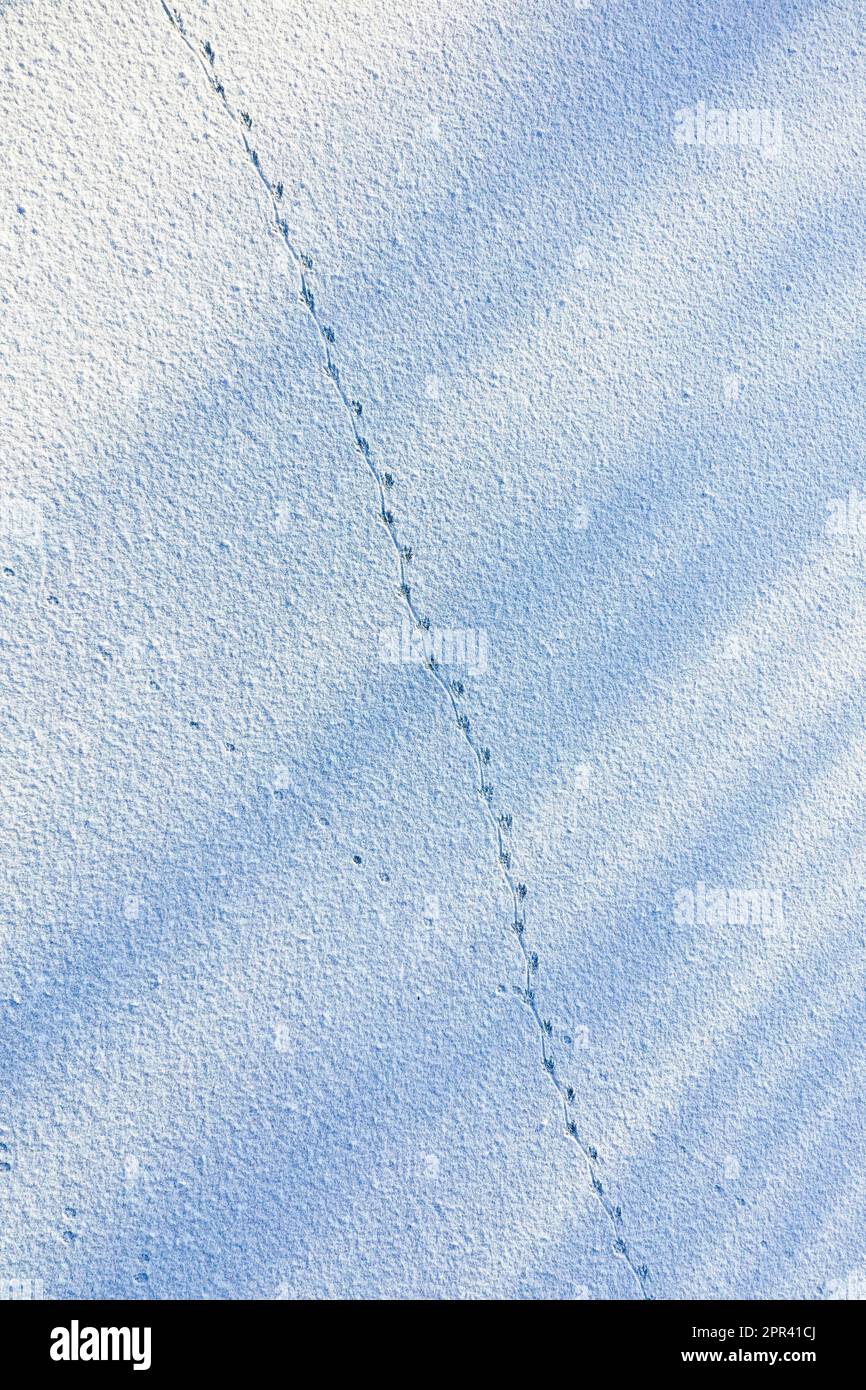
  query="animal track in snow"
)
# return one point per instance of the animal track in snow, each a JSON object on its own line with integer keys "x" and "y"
{"x": 501, "y": 824}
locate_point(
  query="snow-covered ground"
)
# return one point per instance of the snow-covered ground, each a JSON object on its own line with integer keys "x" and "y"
{"x": 289, "y": 1005}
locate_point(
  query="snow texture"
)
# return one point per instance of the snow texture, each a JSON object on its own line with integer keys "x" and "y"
{"x": 433, "y": 583}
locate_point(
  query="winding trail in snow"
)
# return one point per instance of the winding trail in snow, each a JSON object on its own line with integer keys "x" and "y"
{"x": 501, "y": 824}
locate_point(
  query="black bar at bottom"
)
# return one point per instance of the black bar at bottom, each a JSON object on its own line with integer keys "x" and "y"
{"x": 224, "y": 1339}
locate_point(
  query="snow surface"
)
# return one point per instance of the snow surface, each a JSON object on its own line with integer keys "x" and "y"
{"x": 264, "y": 1022}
